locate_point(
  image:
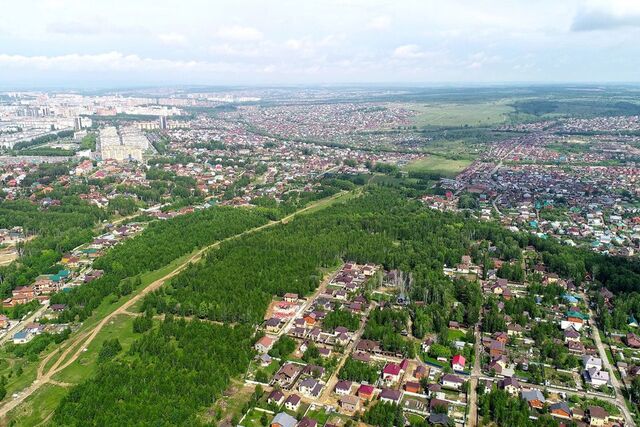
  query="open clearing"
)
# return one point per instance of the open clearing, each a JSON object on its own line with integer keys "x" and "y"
{"x": 481, "y": 114}
{"x": 438, "y": 165}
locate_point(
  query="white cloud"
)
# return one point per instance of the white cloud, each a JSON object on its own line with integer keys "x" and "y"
{"x": 172, "y": 38}
{"x": 240, "y": 33}
{"x": 408, "y": 51}
{"x": 606, "y": 15}
{"x": 115, "y": 61}
{"x": 380, "y": 23}
{"x": 480, "y": 59}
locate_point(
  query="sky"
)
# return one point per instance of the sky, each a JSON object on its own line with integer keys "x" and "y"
{"x": 91, "y": 43}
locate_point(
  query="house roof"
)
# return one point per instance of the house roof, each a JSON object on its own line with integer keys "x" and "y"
{"x": 390, "y": 394}
{"x": 285, "y": 420}
{"x": 458, "y": 359}
{"x": 391, "y": 369}
{"x": 450, "y": 378}
{"x": 293, "y": 399}
{"x": 533, "y": 394}
{"x": 560, "y": 406}
{"x": 597, "y": 412}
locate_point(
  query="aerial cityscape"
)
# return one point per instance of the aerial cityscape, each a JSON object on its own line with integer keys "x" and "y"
{"x": 354, "y": 214}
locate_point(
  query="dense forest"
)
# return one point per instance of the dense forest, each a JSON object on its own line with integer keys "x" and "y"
{"x": 158, "y": 245}
{"x": 167, "y": 376}
{"x": 236, "y": 282}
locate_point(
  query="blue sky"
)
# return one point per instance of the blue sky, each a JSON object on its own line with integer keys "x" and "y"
{"x": 154, "y": 42}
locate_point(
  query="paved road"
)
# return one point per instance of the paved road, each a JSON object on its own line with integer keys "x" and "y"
{"x": 21, "y": 324}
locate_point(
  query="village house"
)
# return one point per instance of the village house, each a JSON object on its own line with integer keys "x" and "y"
{"x": 452, "y": 381}
{"x": 283, "y": 419}
{"x": 561, "y": 410}
{"x": 292, "y": 403}
{"x": 597, "y": 416}
{"x": 534, "y": 398}
{"x": 458, "y": 363}
{"x": 276, "y": 397}
{"x": 510, "y": 385}
{"x": 264, "y": 344}
{"x": 366, "y": 391}
{"x": 343, "y": 387}
{"x": 349, "y": 403}
{"x": 389, "y": 395}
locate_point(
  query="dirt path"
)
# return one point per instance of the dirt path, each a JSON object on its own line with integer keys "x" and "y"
{"x": 80, "y": 342}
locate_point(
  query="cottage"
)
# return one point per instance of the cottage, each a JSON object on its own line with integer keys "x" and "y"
{"x": 633, "y": 340}
{"x": 561, "y": 410}
{"x": 287, "y": 374}
{"x": 349, "y": 403}
{"x": 390, "y": 395}
{"x": 264, "y": 344}
{"x": 290, "y": 297}
{"x": 510, "y": 385}
{"x": 458, "y": 362}
{"x": 420, "y": 372}
{"x": 534, "y": 398}
{"x": 276, "y": 397}
{"x": 292, "y": 403}
{"x": 307, "y": 422}
{"x": 570, "y": 334}
{"x": 272, "y": 325}
{"x": 283, "y": 420}
{"x": 391, "y": 373}
{"x": 451, "y": 381}
{"x": 310, "y": 386}
{"x": 4, "y": 321}
{"x": 597, "y": 416}
{"x": 343, "y": 387}
{"x": 366, "y": 391}
{"x": 596, "y": 377}
{"x": 412, "y": 387}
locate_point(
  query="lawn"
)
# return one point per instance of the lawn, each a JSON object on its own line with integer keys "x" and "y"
{"x": 438, "y": 165}
{"x": 455, "y": 335}
{"x": 121, "y": 327}
{"x": 320, "y": 415}
{"x": 459, "y": 115}
{"x": 37, "y": 407}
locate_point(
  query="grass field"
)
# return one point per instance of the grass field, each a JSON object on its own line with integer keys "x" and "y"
{"x": 39, "y": 407}
{"x": 121, "y": 327}
{"x": 438, "y": 165}
{"x": 458, "y": 115}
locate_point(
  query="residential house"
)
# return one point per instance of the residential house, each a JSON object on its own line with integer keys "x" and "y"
{"x": 349, "y": 403}
{"x": 283, "y": 419}
{"x": 452, "y": 381}
{"x": 534, "y": 398}
{"x": 561, "y": 410}
{"x": 390, "y": 395}
{"x": 343, "y": 387}
{"x": 597, "y": 416}
{"x": 276, "y": 397}
{"x": 292, "y": 403}
{"x": 366, "y": 391}
{"x": 458, "y": 362}
{"x": 264, "y": 344}
{"x": 510, "y": 385}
